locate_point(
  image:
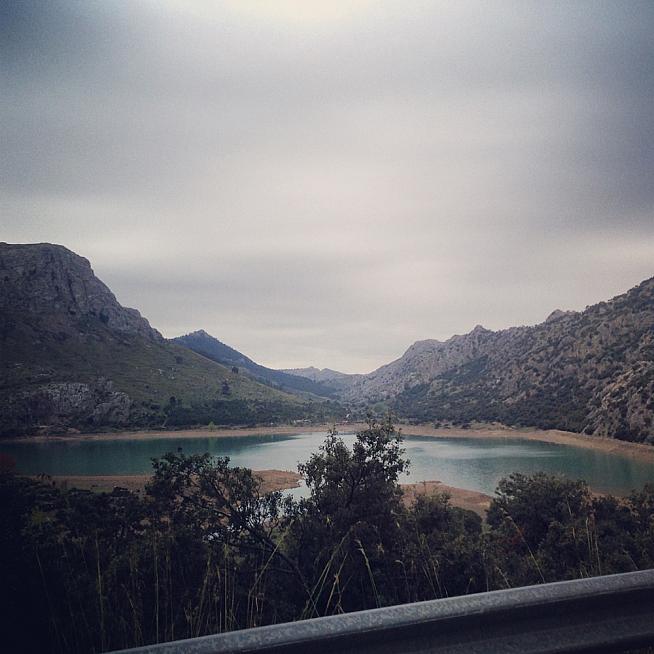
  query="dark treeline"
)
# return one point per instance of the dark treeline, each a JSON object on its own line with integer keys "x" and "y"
{"x": 242, "y": 412}
{"x": 203, "y": 550}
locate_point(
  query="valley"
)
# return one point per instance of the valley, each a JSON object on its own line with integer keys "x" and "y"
{"x": 74, "y": 360}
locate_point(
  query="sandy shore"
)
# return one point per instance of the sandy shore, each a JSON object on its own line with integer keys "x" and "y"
{"x": 460, "y": 497}
{"x": 272, "y": 480}
{"x": 598, "y": 443}
{"x": 222, "y": 432}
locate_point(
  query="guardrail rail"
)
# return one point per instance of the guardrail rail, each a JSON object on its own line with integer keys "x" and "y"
{"x": 603, "y": 614}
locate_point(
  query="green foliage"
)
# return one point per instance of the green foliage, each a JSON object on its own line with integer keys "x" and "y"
{"x": 347, "y": 533}
{"x": 361, "y": 482}
{"x": 442, "y": 549}
{"x": 231, "y": 411}
{"x": 545, "y": 528}
{"x": 204, "y": 550}
{"x": 89, "y": 572}
{"x": 149, "y": 372}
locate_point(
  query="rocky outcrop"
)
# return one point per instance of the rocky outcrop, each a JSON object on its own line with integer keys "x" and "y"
{"x": 72, "y": 357}
{"x": 58, "y": 288}
{"x": 585, "y": 371}
{"x": 625, "y": 406}
{"x": 56, "y": 319}
{"x": 557, "y": 314}
{"x": 55, "y": 406}
{"x": 422, "y": 362}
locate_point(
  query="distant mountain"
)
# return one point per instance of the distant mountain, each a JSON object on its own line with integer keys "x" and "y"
{"x": 590, "y": 371}
{"x": 210, "y": 347}
{"x": 72, "y": 356}
{"x": 333, "y": 378}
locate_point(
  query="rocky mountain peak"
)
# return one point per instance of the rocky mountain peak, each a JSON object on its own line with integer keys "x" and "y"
{"x": 590, "y": 371}
{"x": 558, "y": 314}
{"x": 199, "y": 333}
{"x": 59, "y": 288}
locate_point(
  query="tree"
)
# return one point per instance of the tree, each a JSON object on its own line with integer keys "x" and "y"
{"x": 218, "y": 501}
{"x": 361, "y": 483}
{"x": 540, "y": 528}
{"x": 202, "y": 499}
{"x": 345, "y": 533}
{"x": 442, "y": 553}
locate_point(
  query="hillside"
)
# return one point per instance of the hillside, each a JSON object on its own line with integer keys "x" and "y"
{"x": 210, "y": 347}
{"x": 326, "y": 376}
{"x": 590, "y": 371}
{"x": 72, "y": 356}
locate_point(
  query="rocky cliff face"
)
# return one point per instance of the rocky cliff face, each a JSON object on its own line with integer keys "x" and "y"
{"x": 72, "y": 357}
{"x": 586, "y": 371}
{"x": 58, "y": 405}
{"x": 423, "y": 361}
{"x": 53, "y": 310}
{"x": 58, "y": 288}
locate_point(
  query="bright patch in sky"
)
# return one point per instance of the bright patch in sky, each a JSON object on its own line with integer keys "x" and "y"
{"x": 298, "y": 13}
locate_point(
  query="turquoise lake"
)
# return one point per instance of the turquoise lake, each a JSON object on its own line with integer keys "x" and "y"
{"x": 466, "y": 463}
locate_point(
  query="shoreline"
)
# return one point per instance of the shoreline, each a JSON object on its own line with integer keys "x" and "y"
{"x": 273, "y": 480}
{"x": 146, "y": 435}
{"x": 283, "y": 479}
{"x": 462, "y": 498}
{"x": 638, "y": 451}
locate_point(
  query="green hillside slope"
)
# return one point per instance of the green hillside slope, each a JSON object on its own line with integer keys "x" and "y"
{"x": 72, "y": 356}
{"x": 590, "y": 371}
{"x": 210, "y": 347}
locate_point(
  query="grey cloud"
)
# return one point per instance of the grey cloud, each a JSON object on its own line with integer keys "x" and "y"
{"x": 327, "y": 192}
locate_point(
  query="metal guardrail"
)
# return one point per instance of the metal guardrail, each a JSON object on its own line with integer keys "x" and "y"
{"x": 602, "y": 614}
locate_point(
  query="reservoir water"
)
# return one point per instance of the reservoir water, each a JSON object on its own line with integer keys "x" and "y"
{"x": 467, "y": 463}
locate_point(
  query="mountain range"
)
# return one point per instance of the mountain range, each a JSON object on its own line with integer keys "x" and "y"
{"x": 590, "y": 371}
{"x": 73, "y": 357}
{"x": 338, "y": 381}
{"x": 206, "y": 345}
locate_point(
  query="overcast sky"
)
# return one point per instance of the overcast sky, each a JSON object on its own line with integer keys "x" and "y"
{"x": 323, "y": 183}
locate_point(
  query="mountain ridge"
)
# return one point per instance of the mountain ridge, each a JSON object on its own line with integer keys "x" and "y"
{"x": 209, "y": 346}
{"x": 74, "y": 357}
{"x": 332, "y": 378}
{"x": 37, "y": 278}
{"x": 589, "y": 371}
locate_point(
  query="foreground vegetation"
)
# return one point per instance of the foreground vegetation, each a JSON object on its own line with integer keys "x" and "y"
{"x": 204, "y": 551}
